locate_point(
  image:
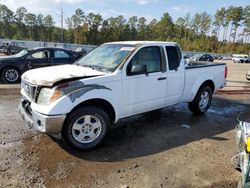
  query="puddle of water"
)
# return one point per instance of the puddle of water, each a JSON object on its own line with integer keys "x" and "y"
{"x": 227, "y": 110}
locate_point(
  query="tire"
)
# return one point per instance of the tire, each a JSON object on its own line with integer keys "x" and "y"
{"x": 78, "y": 128}
{"x": 202, "y": 101}
{"x": 10, "y": 75}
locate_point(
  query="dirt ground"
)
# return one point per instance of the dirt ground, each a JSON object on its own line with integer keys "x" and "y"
{"x": 164, "y": 148}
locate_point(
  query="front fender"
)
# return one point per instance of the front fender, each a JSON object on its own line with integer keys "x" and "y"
{"x": 68, "y": 102}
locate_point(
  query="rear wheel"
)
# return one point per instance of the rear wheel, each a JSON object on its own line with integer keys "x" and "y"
{"x": 202, "y": 101}
{"x": 85, "y": 128}
{"x": 10, "y": 75}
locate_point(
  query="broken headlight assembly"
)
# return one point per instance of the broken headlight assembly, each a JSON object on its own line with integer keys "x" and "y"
{"x": 48, "y": 95}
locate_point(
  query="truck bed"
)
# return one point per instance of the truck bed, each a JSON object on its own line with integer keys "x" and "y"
{"x": 201, "y": 64}
{"x": 197, "y": 72}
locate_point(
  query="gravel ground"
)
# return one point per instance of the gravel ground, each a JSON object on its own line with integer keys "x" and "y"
{"x": 164, "y": 148}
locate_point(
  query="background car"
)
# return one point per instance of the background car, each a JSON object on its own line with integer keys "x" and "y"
{"x": 81, "y": 50}
{"x": 186, "y": 56}
{"x": 217, "y": 56}
{"x": 227, "y": 57}
{"x": 10, "y": 48}
{"x": 240, "y": 58}
{"x": 11, "y": 67}
{"x": 202, "y": 57}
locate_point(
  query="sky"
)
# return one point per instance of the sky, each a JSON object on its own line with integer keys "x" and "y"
{"x": 142, "y": 8}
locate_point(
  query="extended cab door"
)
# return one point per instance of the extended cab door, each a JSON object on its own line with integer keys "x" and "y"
{"x": 176, "y": 74}
{"x": 145, "y": 91}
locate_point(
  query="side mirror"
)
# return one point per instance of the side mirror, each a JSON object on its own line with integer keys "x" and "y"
{"x": 138, "y": 69}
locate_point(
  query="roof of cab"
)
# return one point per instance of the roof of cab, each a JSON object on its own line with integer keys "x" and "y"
{"x": 142, "y": 42}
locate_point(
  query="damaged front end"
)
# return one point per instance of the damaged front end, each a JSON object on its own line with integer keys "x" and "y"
{"x": 44, "y": 95}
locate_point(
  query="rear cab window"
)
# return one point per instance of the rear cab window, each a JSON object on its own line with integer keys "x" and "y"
{"x": 174, "y": 57}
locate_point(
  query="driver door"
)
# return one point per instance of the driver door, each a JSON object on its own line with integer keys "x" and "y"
{"x": 145, "y": 91}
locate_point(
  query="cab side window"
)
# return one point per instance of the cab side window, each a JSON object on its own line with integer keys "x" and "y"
{"x": 149, "y": 56}
{"x": 174, "y": 57}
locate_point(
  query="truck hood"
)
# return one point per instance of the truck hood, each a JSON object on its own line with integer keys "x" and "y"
{"x": 49, "y": 75}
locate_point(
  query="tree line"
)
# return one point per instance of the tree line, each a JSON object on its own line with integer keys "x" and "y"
{"x": 228, "y": 31}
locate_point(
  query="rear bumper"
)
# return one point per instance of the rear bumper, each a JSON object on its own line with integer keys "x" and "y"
{"x": 40, "y": 122}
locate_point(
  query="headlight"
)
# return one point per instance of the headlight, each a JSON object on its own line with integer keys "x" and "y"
{"x": 48, "y": 95}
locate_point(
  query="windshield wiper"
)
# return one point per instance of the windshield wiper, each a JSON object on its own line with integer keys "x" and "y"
{"x": 95, "y": 67}
{"x": 91, "y": 66}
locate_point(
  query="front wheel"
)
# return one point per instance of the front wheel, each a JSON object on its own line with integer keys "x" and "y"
{"x": 10, "y": 75}
{"x": 85, "y": 128}
{"x": 202, "y": 101}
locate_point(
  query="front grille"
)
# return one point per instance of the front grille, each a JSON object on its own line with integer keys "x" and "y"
{"x": 31, "y": 91}
{"x": 26, "y": 106}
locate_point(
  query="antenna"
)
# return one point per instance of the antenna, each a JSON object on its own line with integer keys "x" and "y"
{"x": 62, "y": 15}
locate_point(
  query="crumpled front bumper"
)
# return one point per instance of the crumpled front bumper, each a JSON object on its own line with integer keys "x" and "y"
{"x": 40, "y": 122}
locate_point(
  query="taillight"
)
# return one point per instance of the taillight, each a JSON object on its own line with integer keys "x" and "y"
{"x": 225, "y": 75}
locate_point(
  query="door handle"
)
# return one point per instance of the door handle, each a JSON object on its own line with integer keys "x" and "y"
{"x": 162, "y": 78}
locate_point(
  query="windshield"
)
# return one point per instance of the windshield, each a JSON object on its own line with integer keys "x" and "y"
{"x": 21, "y": 53}
{"x": 106, "y": 57}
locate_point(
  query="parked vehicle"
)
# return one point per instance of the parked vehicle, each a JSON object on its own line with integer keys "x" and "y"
{"x": 10, "y": 48}
{"x": 114, "y": 81}
{"x": 202, "y": 57}
{"x": 227, "y": 58}
{"x": 11, "y": 67}
{"x": 81, "y": 50}
{"x": 186, "y": 56}
{"x": 248, "y": 75}
{"x": 240, "y": 58}
{"x": 217, "y": 56}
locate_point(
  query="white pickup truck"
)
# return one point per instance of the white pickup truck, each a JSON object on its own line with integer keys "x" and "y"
{"x": 116, "y": 80}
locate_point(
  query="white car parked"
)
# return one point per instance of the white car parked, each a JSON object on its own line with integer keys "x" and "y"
{"x": 114, "y": 81}
{"x": 240, "y": 58}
